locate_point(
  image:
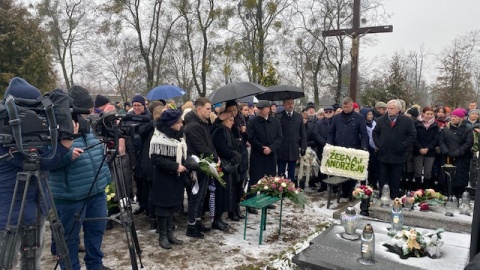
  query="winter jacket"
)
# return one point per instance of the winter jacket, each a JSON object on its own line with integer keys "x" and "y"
{"x": 294, "y": 136}
{"x": 167, "y": 184}
{"x": 393, "y": 142}
{"x": 264, "y": 132}
{"x": 350, "y": 132}
{"x": 310, "y": 129}
{"x": 198, "y": 137}
{"x": 8, "y": 175}
{"x": 70, "y": 180}
{"x": 321, "y": 134}
{"x": 138, "y": 144}
{"x": 426, "y": 138}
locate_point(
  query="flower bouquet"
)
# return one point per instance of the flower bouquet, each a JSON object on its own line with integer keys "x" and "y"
{"x": 210, "y": 168}
{"x": 362, "y": 192}
{"x": 110, "y": 192}
{"x": 280, "y": 187}
{"x": 409, "y": 242}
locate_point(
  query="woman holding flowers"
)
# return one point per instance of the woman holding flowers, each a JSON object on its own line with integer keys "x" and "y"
{"x": 456, "y": 140}
{"x": 167, "y": 151}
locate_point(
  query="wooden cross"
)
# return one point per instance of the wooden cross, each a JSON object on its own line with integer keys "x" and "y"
{"x": 355, "y": 32}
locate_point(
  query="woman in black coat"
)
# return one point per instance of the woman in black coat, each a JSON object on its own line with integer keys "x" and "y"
{"x": 225, "y": 145}
{"x": 167, "y": 151}
{"x": 456, "y": 141}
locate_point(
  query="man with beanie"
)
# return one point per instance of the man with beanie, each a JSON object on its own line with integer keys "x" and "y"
{"x": 139, "y": 108}
{"x": 100, "y": 103}
{"x": 380, "y": 109}
{"x": 77, "y": 190}
{"x": 200, "y": 144}
{"x": 348, "y": 130}
{"x": 394, "y": 134}
{"x": 20, "y": 88}
{"x": 310, "y": 131}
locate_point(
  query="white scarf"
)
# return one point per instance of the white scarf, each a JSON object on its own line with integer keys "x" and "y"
{"x": 163, "y": 145}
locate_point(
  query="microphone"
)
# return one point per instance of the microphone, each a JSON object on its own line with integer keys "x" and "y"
{"x": 136, "y": 118}
{"x": 79, "y": 111}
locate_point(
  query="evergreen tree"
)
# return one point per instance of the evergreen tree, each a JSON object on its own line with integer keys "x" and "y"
{"x": 270, "y": 77}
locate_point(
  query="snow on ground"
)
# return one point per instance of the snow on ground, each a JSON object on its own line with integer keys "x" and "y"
{"x": 221, "y": 250}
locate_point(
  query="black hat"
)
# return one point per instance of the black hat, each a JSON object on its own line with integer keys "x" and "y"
{"x": 81, "y": 97}
{"x": 328, "y": 108}
{"x": 413, "y": 112}
{"x": 126, "y": 103}
{"x": 310, "y": 105}
{"x": 101, "y": 100}
{"x": 263, "y": 104}
{"x": 20, "y": 88}
{"x": 170, "y": 117}
{"x": 230, "y": 103}
{"x": 138, "y": 98}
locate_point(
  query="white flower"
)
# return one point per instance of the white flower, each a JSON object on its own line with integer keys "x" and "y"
{"x": 265, "y": 187}
{"x": 276, "y": 179}
{"x": 283, "y": 184}
{"x": 259, "y": 181}
{"x": 296, "y": 191}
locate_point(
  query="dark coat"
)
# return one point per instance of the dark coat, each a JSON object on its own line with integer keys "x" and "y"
{"x": 456, "y": 142}
{"x": 348, "y": 132}
{"x": 393, "y": 142}
{"x": 262, "y": 133}
{"x": 294, "y": 136}
{"x": 198, "y": 137}
{"x": 138, "y": 144}
{"x": 426, "y": 138}
{"x": 167, "y": 184}
{"x": 321, "y": 134}
{"x": 310, "y": 128}
{"x": 146, "y": 133}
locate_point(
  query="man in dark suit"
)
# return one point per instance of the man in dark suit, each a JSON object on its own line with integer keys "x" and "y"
{"x": 393, "y": 135}
{"x": 294, "y": 140}
{"x": 348, "y": 129}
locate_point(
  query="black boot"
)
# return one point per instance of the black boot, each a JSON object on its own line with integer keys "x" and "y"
{"x": 323, "y": 187}
{"x": 239, "y": 213}
{"x": 192, "y": 231}
{"x": 202, "y": 227}
{"x": 170, "y": 236}
{"x": 219, "y": 225}
{"x": 417, "y": 183}
{"x": 252, "y": 210}
{"x": 153, "y": 224}
{"x": 427, "y": 183}
{"x": 233, "y": 216}
{"x": 162, "y": 238}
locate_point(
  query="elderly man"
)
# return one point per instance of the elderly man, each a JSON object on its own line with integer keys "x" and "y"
{"x": 265, "y": 137}
{"x": 380, "y": 110}
{"x": 294, "y": 138}
{"x": 393, "y": 135}
{"x": 348, "y": 129}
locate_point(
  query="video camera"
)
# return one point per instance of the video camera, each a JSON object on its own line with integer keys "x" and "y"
{"x": 110, "y": 122}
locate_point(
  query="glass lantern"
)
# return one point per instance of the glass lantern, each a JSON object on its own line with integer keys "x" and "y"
{"x": 409, "y": 201}
{"x": 450, "y": 206}
{"x": 367, "y": 248}
{"x": 465, "y": 208}
{"x": 397, "y": 216}
{"x": 349, "y": 221}
{"x": 385, "y": 200}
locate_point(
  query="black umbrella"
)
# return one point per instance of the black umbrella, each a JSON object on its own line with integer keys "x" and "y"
{"x": 235, "y": 90}
{"x": 280, "y": 92}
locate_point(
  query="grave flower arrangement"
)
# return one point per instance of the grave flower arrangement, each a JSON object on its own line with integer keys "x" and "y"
{"x": 362, "y": 192}
{"x": 409, "y": 242}
{"x": 279, "y": 187}
{"x": 428, "y": 196}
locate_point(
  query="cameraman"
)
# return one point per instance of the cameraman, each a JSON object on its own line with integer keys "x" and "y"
{"x": 77, "y": 190}
{"x": 19, "y": 88}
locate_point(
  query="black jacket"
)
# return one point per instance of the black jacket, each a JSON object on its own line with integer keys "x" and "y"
{"x": 310, "y": 128}
{"x": 262, "y": 133}
{"x": 198, "y": 137}
{"x": 321, "y": 134}
{"x": 294, "y": 136}
{"x": 426, "y": 138}
{"x": 393, "y": 142}
{"x": 350, "y": 132}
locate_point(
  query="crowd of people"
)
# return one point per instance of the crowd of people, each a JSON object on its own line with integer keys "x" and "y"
{"x": 407, "y": 149}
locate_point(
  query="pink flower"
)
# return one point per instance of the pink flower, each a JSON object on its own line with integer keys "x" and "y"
{"x": 280, "y": 188}
{"x": 291, "y": 188}
{"x": 423, "y": 206}
{"x": 273, "y": 186}
{"x": 418, "y": 193}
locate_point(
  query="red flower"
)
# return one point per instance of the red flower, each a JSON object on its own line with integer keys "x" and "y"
{"x": 368, "y": 192}
{"x": 423, "y": 206}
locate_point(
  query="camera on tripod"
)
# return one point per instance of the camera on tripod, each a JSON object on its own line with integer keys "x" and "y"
{"x": 125, "y": 125}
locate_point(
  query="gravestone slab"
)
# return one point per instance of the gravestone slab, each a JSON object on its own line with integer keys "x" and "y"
{"x": 330, "y": 251}
{"x": 433, "y": 218}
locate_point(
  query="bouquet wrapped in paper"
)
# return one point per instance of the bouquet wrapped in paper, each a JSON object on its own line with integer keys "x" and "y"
{"x": 210, "y": 168}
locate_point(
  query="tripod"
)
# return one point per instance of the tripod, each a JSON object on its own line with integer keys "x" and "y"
{"x": 30, "y": 235}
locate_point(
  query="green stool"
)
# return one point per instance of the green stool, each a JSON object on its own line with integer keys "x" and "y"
{"x": 261, "y": 202}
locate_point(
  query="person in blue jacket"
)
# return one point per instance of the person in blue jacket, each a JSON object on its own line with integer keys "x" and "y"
{"x": 20, "y": 88}
{"x": 77, "y": 191}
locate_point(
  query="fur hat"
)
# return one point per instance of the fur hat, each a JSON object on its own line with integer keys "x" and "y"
{"x": 413, "y": 112}
{"x": 310, "y": 105}
{"x": 20, "y": 88}
{"x": 459, "y": 112}
{"x": 474, "y": 111}
{"x": 380, "y": 104}
{"x": 138, "y": 98}
{"x": 81, "y": 97}
{"x": 170, "y": 117}
{"x": 101, "y": 100}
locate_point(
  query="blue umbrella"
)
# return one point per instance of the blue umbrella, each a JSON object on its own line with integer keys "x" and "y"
{"x": 166, "y": 91}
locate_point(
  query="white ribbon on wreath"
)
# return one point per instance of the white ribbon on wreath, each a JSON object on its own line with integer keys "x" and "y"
{"x": 309, "y": 165}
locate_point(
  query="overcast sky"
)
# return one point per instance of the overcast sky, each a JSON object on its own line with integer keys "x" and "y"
{"x": 433, "y": 23}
